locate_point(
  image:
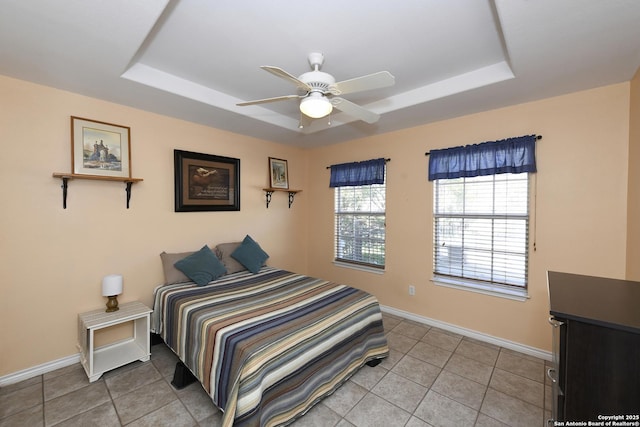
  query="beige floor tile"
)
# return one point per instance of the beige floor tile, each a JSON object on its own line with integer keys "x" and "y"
{"x": 444, "y": 331}
{"x": 173, "y": 414}
{"x": 439, "y": 410}
{"x": 409, "y": 388}
{"x": 122, "y": 369}
{"x": 319, "y": 415}
{"x": 510, "y": 410}
{"x": 103, "y": 415}
{"x": 390, "y": 361}
{"x": 214, "y": 420}
{"x": 368, "y": 376}
{"x": 417, "y": 422}
{"x": 164, "y": 360}
{"x": 75, "y": 403}
{"x": 373, "y": 411}
{"x": 343, "y": 423}
{"x": 411, "y": 329}
{"x": 62, "y": 384}
{"x": 483, "y": 343}
{"x": 442, "y": 340}
{"x": 417, "y": 371}
{"x": 345, "y": 398}
{"x": 460, "y": 389}
{"x": 197, "y": 401}
{"x": 486, "y": 421}
{"x": 469, "y": 368}
{"x": 20, "y": 399}
{"x": 144, "y": 400}
{"x": 514, "y": 385}
{"x": 527, "y": 368}
{"x": 399, "y": 342}
{"x": 8, "y": 389}
{"x": 32, "y": 417}
{"x": 431, "y": 354}
{"x": 63, "y": 371}
{"x": 523, "y": 355}
{"x": 127, "y": 381}
{"x": 478, "y": 352}
{"x": 389, "y": 322}
{"x": 400, "y": 391}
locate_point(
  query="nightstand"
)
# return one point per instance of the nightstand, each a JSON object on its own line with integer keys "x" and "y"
{"x": 97, "y": 361}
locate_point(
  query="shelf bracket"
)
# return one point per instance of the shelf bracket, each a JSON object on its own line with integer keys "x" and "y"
{"x": 128, "y": 190}
{"x": 292, "y": 194}
{"x": 64, "y": 186}
{"x": 268, "y": 194}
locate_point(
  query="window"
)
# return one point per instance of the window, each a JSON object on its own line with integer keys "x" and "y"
{"x": 360, "y": 224}
{"x": 481, "y": 232}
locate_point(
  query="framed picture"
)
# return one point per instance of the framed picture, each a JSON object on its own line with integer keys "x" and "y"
{"x": 278, "y": 173}
{"x": 100, "y": 148}
{"x": 205, "y": 182}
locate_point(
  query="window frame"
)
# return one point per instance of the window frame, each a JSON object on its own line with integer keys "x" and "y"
{"x": 474, "y": 284}
{"x": 338, "y": 212}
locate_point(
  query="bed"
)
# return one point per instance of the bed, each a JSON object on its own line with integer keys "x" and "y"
{"x": 267, "y": 346}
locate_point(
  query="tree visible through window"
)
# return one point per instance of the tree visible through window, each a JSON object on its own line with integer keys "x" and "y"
{"x": 481, "y": 230}
{"x": 360, "y": 224}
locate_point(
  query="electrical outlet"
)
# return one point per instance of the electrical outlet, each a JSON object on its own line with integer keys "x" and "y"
{"x": 412, "y": 290}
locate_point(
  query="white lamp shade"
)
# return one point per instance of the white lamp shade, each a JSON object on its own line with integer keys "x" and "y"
{"x": 112, "y": 285}
{"x": 315, "y": 105}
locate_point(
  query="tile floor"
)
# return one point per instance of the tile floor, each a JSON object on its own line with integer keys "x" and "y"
{"x": 431, "y": 378}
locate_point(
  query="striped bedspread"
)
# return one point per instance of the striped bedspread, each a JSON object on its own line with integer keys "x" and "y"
{"x": 268, "y": 346}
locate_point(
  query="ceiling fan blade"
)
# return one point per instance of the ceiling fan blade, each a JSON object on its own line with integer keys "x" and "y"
{"x": 265, "y": 100}
{"x": 355, "y": 110}
{"x": 368, "y": 82}
{"x": 284, "y": 75}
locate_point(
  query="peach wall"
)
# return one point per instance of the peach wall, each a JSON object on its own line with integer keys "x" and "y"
{"x": 633, "y": 223}
{"x": 54, "y": 259}
{"x": 580, "y": 206}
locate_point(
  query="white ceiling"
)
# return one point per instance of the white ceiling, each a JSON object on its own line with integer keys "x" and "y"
{"x": 195, "y": 59}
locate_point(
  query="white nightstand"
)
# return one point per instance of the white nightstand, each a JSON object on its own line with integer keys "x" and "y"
{"x": 97, "y": 361}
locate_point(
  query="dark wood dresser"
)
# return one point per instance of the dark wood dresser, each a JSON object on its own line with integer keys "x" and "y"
{"x": 596, "y": 347}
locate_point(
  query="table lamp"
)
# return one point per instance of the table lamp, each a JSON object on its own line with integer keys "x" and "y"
{"x": 111, "y": 287}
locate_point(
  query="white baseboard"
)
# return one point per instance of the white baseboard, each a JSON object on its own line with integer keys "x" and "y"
{"x": 34, "y": 371}
{"x": 511, "y": 345}
{"x": 541, "y": 354}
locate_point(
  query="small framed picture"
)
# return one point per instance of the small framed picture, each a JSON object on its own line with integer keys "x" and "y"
{"x": 278, "y": 173}
{"x": 100, "y": 148}
{"x": 205, "y": 182}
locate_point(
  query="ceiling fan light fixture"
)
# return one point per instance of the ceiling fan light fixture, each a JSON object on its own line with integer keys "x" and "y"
{"x": 316, "y": 105}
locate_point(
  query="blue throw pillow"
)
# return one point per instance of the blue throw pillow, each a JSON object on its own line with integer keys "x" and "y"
{"x": 250, "y": 254}
{"x": 202, "y": 266}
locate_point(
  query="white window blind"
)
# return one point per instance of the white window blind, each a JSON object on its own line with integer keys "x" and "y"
{"x": 360, "y": 224}
{"x": 481, "y": 229}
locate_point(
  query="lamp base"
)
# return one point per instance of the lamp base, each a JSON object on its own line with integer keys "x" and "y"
{"x": 112, "y": 304}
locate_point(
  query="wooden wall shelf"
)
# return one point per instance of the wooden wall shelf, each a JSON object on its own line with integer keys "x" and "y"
{"x": 269, "y": 192}
{"x": 65, "y": 177}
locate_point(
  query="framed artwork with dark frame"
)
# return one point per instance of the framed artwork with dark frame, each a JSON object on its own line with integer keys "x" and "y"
{"x": 100, "y": 148}
{"x": 278, "y": 173}
{"x": 205, "y": 182}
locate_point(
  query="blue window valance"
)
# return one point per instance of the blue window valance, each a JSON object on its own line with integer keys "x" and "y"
{"x": 358, "y": 173}
{"x": 513, "y": 155}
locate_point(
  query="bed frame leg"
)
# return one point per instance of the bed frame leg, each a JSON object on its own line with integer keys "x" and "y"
{"x": 182, "y": 376}
{"x": 155, "y": 339}
{"x": 374, "y": 362}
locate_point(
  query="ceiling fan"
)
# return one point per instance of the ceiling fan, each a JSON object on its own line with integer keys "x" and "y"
{"x": 319, "y": 93}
